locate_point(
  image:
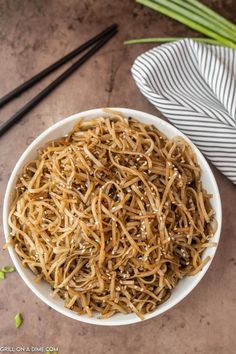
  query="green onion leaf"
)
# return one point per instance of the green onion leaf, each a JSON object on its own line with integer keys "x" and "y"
{"x": 7, "y": 269}
{"x": 2, "y": 275}
{"x": 170, "y": 9}
{"x": 179, "y": 8}
{"x": 168, "y": 39}
{"x": 204, "y": 18}
{"x": 18, "y": 320}
{"x": 212, "y": 14}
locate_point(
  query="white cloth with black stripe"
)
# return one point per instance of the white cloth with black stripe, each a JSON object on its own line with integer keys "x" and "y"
{"x": 194, "y": 86}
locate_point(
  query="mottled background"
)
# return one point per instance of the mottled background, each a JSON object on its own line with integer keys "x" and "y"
{"x": 33, "y": 34}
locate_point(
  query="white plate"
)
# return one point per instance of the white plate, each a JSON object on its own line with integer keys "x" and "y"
{"x": 42, "y": 290}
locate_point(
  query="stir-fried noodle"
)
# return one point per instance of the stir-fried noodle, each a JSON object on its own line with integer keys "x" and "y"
{"x": 112, "y": 216}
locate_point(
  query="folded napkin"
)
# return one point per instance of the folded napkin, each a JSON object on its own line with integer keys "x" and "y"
{"x": 194, "y": 86}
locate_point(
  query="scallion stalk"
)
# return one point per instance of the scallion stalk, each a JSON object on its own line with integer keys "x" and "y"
{"x": 168, "y": 39}
{"x": 204, "y": 15}
{"x": 187, "y": 21}
{"x": 212, "y": 14}
{"x": 195, "y": 19}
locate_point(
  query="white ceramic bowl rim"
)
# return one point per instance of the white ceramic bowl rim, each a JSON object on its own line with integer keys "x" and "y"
{"x": 51, "y": 133}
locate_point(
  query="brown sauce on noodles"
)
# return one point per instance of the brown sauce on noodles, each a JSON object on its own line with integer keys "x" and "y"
{"x": 112, "y": 216}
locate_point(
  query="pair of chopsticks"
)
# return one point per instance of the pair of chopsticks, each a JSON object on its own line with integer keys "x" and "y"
{"x": 96, "y": 42}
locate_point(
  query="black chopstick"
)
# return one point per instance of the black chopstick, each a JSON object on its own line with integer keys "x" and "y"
{"x": 28, "y": 106}
{"x": 23, "y": 87}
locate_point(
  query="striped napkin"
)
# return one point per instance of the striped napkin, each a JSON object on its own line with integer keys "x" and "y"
{"x": 194, "y": 86}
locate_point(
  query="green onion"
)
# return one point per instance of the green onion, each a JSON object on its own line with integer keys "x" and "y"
{"x": 212, "y": 22}
{"x": 4, "y": 270}
{"x": 7, "y": 269}
{"x": 18, "y": 320}
{"x": 167, "y": 39}
{"x": 196, "y": 17}
{"x": 212, "y": 14}
{"x": 169, "y": 10}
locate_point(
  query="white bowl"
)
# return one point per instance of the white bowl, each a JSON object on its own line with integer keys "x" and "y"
{"x": 42, "y": 289}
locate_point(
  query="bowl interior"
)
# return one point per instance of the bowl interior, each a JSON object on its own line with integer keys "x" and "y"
{"x": 42, "y": 290}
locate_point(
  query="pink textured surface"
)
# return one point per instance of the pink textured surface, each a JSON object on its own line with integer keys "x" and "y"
{"x": 33, "y": 34}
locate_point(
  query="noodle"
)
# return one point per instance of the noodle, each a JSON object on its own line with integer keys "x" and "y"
{"x": 112, "y": 216}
